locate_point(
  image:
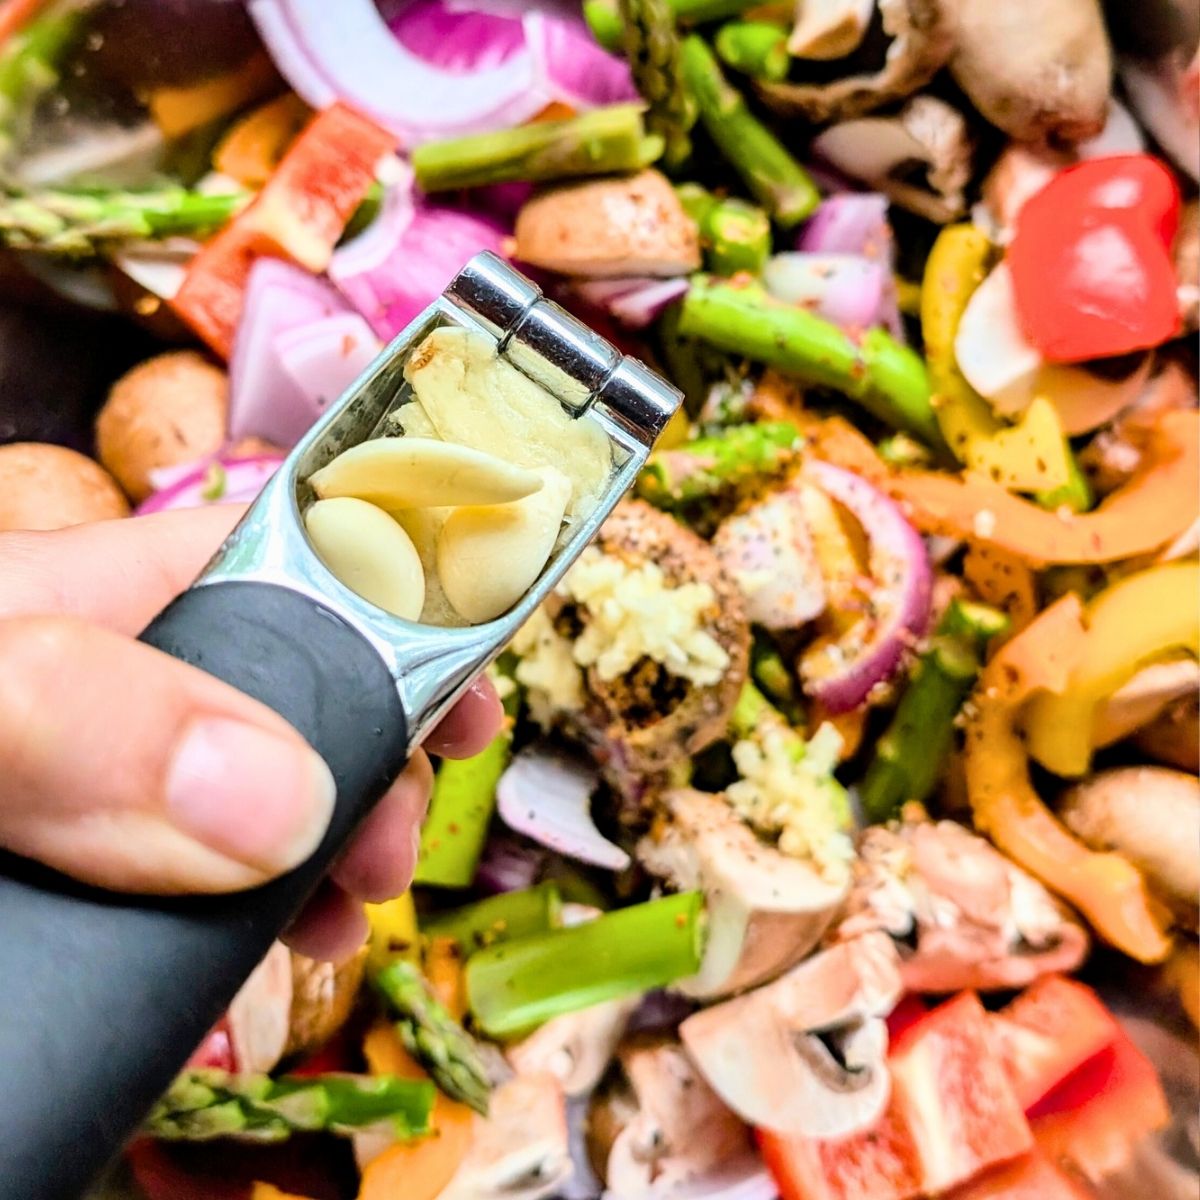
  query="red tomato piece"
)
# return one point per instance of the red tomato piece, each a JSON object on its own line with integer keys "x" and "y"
{"x": 1048, "y": 1032}
{"x": 1095, "y": 1119}
{"x": 1091, "y": 263}
{"x": 1029, "y": 1178}
{"x": 955, "y": 1095}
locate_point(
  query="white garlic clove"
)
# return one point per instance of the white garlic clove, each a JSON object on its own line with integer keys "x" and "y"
{"x": 488, "y": 556}
{"x": 369, "y": 552}
{"x": 410, "y": 472}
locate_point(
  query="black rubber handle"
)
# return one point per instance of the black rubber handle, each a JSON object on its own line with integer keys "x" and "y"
{"x": 103, "y": 998}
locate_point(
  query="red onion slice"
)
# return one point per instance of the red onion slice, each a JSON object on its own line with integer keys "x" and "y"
{"x": 449, "y": 69}
{"x": 850, "y": 223}
{"x": 635, "y": 301}
{"x": 547, "y": 797}
{"x": 841, "y": 675}
{"x": 263, "y": 400}
{"x": 218, "y": 481}
{"x": 847, "y": 289}
{"x": 324, "y": 358}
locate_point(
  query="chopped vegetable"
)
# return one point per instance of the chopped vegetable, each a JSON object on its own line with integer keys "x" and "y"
{"x": 756, "y": 48}
{"x": 1139, "y": 619}
{"x": 204, "y": 1104}
{"x": 886, "y": 378}
{"x": 1108, "y": 890}
{"x": 604, "y": 16}
{"x": 1091, "y": 262}
{"x": 253, "y": 147}
{"x": 773, "y": 176}
{"x": 735, "y": 236}
{"x": 651, "y": 45}
{"x": 518, "y": 984}
{"x": 911, "y": 754}
{"x": 601, "y": 142}
{"x": 433, "y": 1037}
{"x": 501, "y": 918}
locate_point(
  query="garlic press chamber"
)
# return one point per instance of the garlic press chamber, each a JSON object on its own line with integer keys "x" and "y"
{"x": 104, "y": 997}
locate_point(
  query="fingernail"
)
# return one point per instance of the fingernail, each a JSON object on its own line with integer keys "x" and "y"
{"x": 255, "y": 797}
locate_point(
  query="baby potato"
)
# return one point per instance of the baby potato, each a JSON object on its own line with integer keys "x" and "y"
{"x": 49, "y": 487}
{"x": 167, "y": 411}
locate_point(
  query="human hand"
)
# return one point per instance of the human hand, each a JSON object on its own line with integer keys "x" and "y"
{"x": 129, "y": 770}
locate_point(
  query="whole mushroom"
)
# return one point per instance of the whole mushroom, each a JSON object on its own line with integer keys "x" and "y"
{"x": 50, "y": 487}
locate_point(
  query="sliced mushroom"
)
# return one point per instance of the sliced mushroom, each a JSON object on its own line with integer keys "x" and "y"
{"x": 1174, "y": 737}
{"x": 1148, "y": 694}
{"x": 1163, "y": 93}
{"x": 764, "y": 1055}
{"x": 829, "y": 28}
{"x": 323, "y": 997}
{"x": 1037, "y": 71}
{"x": 601, "y": 228}
{"x": 963, "y": 916}
{"x": 890, "y": 153}
{"x": 576, "y": 1047}
{"x": 658, "y": 1130}
{"x": 259, "y": 1015}
{"x": 1151, "y": 815}
{"x": 519, "y": 1151}
{"x": 766, "y": 910}
{"x": 647, "y": 720}
{"x": 921, "y": 39}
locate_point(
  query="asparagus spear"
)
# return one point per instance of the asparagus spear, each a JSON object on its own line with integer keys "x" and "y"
{"x": 29, "y": 67}
{"x": 206, "y": 1104}
{"x": 80, "y": 223}
{"x": 775, "y": 179}
{"x": 651, "y": 46}
{"x": 736, "y": 236}
{"x": 756, "y": 48}
{"x": 770, "y": 673}
{"x": 604, "y": 16}
{"x": 499, "y": 918}
{"x": 514, "y": 986}
{"x": 886, "y": 378}
{"x": 709, "y": 465}
{"x": 599, "y": 142}
{"x": 460, "y": 811}
{"x": 433, "y": 1037}
{"x": 910, "y": 754}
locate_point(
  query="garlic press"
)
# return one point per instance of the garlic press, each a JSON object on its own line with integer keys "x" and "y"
{"x": 104, "y": 997}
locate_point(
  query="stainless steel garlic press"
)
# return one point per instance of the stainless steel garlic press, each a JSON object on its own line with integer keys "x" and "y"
{"x": 103, "y": 997}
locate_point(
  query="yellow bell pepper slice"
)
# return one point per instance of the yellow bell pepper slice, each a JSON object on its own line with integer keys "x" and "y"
{"x": 1031, "y": 455}
{"x": 1129, "y": 625}
{"x": 255, "y": 145}
{"x": 1152, "y": 509}
{"x": 394, "y": 932}
{"x": 1106, "y": 888}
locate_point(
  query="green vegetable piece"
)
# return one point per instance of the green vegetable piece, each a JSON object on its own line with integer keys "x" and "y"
{"x": 756, "y": 48}
{"x": 708, "y": 466}
{"x": 600, "y": 142}
{"x": 650, "y": 43}
{"x": 515, "y": 986}
{"x": 885, "y": 377}
{"x": 204, "y": 1104}
{"x": 460, "y": 811}
{"x": 736, "y": 236}
{"x": 604, "y": 16}
{"x": 772, "y": 175}
{"x": 912, "y": 751}
{"x": 433, "y": 1037}
{"x": 498, "y": 918}
{"x": 1076, "y": 494}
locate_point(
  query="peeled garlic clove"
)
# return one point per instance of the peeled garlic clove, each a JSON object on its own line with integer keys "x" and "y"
{"x": 411, "y": 472}
{"x": 488, "y": 556}
{"x": 370, "y": 553}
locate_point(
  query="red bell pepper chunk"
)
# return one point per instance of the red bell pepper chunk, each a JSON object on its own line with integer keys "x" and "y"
{"x": 1048, "y": 1032}
{"x": 1091, "y": 263}
{"x": 1032, "y": 1177}
{"x": 216, "y": 1050}
{"x": 299, "y": 215}
{"x": 1094, "y": 1119}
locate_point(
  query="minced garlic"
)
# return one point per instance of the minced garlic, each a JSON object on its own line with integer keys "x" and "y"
{"x": 787, "y": 795}
{"x": 546, "y": 669}
{"x": 633, "y": 613}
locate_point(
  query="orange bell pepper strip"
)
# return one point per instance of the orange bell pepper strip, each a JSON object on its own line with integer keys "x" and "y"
{"x": 179, "y": 110}
{"x": 419, "y": 1169}
{"x": 14, "y": 14}
{"x": 1154, "y": 507}
{"x": 1107, "y": 889}
{"x": 444, "y": 970}
{"x": 251, "y": 150}
{"x": 1132, "y": 622}
{"x": 299, "y": 215}
{"x": 268, "y": 1191}
{"x": 1004, "y": 580}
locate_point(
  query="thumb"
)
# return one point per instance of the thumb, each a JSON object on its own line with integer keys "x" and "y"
{"x": 127, "y": 769}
